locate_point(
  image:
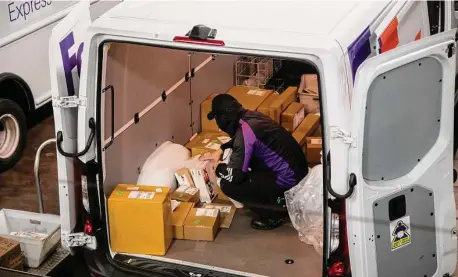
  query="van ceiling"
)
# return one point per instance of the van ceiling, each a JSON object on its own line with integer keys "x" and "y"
{"x": 319, "y": 17}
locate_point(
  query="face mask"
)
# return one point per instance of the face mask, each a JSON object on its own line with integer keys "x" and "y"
{"x": 223, "y": 122}
{"x": 227, "y": 124}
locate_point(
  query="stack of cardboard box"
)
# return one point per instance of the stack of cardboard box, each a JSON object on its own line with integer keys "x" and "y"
{"x": 145, "y": 219}
{"x": 200, "y": 221}
{"x": 282, "y": 108}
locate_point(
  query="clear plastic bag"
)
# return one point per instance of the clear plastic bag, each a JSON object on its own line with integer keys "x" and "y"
{"x": 305, "y": 208}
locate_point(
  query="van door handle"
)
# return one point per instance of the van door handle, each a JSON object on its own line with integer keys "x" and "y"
{"x": 351, "y": 184}
{"x": 60, "y": 139}
{"x": 111, "y": 88}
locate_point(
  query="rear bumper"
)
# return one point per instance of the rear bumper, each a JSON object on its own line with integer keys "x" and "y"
{"x": 101, "y": 264}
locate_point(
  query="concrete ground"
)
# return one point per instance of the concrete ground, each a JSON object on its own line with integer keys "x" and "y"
{"x": 17, "y": 186}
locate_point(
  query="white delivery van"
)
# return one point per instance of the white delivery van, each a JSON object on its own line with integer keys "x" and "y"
{"x": 386, "y": 75}
{"x": 25, "y": 28}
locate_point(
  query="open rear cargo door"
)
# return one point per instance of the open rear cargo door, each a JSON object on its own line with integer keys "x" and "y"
{"x": 65, "y": 52}
{"x": 401, "y": 216}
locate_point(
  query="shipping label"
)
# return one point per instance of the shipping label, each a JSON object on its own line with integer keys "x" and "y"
{"x": 222, "y": 209}
{"x": 257, "y": 92}
{"x": 141, "y": 195}
{"x": 207, "y": 212}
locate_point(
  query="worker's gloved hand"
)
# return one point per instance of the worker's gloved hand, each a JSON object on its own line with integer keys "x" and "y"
{"x": 215, "y": 165}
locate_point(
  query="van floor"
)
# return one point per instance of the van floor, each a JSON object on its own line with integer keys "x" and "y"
{"x": 244, "y": 249}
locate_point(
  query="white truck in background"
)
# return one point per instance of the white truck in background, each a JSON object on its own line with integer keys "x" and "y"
{"x": 25, "y": 29}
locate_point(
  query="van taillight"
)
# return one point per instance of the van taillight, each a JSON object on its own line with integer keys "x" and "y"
{"x": 336, "y": 269}
{"x": 212, "y": 42}
{"x": 88, "y": 227}
{"x": 339, "y": 260}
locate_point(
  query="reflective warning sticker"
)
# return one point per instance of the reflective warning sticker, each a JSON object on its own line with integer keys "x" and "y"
{"x": 400, "y": 233}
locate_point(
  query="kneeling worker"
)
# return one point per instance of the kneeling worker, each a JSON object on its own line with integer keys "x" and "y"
{"x": 265, "y": 162}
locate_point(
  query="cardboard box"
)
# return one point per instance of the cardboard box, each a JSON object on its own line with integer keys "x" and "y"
{"x": 292, "y": 116}
{"x": 186, "y": 194}
{"x": 226, "y": 211}
{"x": 184, "y": 178}
{"x": 203, "y": 175}
{"x": 204, "y": 184}
{"x": 313, "y": 150}
{"x": 250, "y": 97}
{"x": 10, "y": 254}
{"x": 205, "y": 108}
{"x": 206, "y": 142}
{"x": 264, "y": 108}
{"x": 278, "y": 106}
{"x": 140, "y": 219}
{"x": 307, "y": 127}
{"x": 180, "y": 211}
{"x": 314, "y": 147}
{"x": 202, "y": 224}
{"x": 309, "y": 83}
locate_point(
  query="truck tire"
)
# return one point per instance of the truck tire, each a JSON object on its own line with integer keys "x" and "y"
{"x": 13, "y": 134}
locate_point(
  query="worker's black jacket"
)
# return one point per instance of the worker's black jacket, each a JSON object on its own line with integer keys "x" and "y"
{"x": 259, "y": 143}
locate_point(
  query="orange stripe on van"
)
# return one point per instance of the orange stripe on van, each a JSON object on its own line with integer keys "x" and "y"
{"x": 390, "y": 38}
{"x": 418, "y": 36}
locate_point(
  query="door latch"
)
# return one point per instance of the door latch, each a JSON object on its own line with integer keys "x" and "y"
{"x": 68, "y": 102}
{"x": 344, "y": 135}
{"x": 79, "y": 240}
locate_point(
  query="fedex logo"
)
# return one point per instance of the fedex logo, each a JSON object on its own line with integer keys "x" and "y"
{"x": 71, "y": 61}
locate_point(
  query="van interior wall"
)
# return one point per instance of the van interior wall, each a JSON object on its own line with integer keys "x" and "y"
{"x": 139, "y": 75}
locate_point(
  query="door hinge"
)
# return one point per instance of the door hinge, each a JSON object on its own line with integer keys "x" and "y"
{"x": 68, "y": 102}
{"x": 344, "y": 135}
{"x": 79, "y": 240}
{"x": 450, "y": 49}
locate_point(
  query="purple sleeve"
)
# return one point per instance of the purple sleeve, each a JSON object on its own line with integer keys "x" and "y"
{"x": 243, "y": 148}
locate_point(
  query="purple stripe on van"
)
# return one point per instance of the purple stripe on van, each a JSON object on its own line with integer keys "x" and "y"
{"x": 359, "y": 50}
{"x": 249, "y": 139}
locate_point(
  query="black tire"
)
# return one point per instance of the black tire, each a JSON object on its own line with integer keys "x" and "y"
{"x": 13, "y": 136}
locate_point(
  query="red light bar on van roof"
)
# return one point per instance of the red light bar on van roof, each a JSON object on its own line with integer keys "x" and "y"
{"x": 212, "y": 42}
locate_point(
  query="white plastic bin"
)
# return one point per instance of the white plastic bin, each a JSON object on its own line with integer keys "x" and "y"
{"x": 35, "y": 250}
